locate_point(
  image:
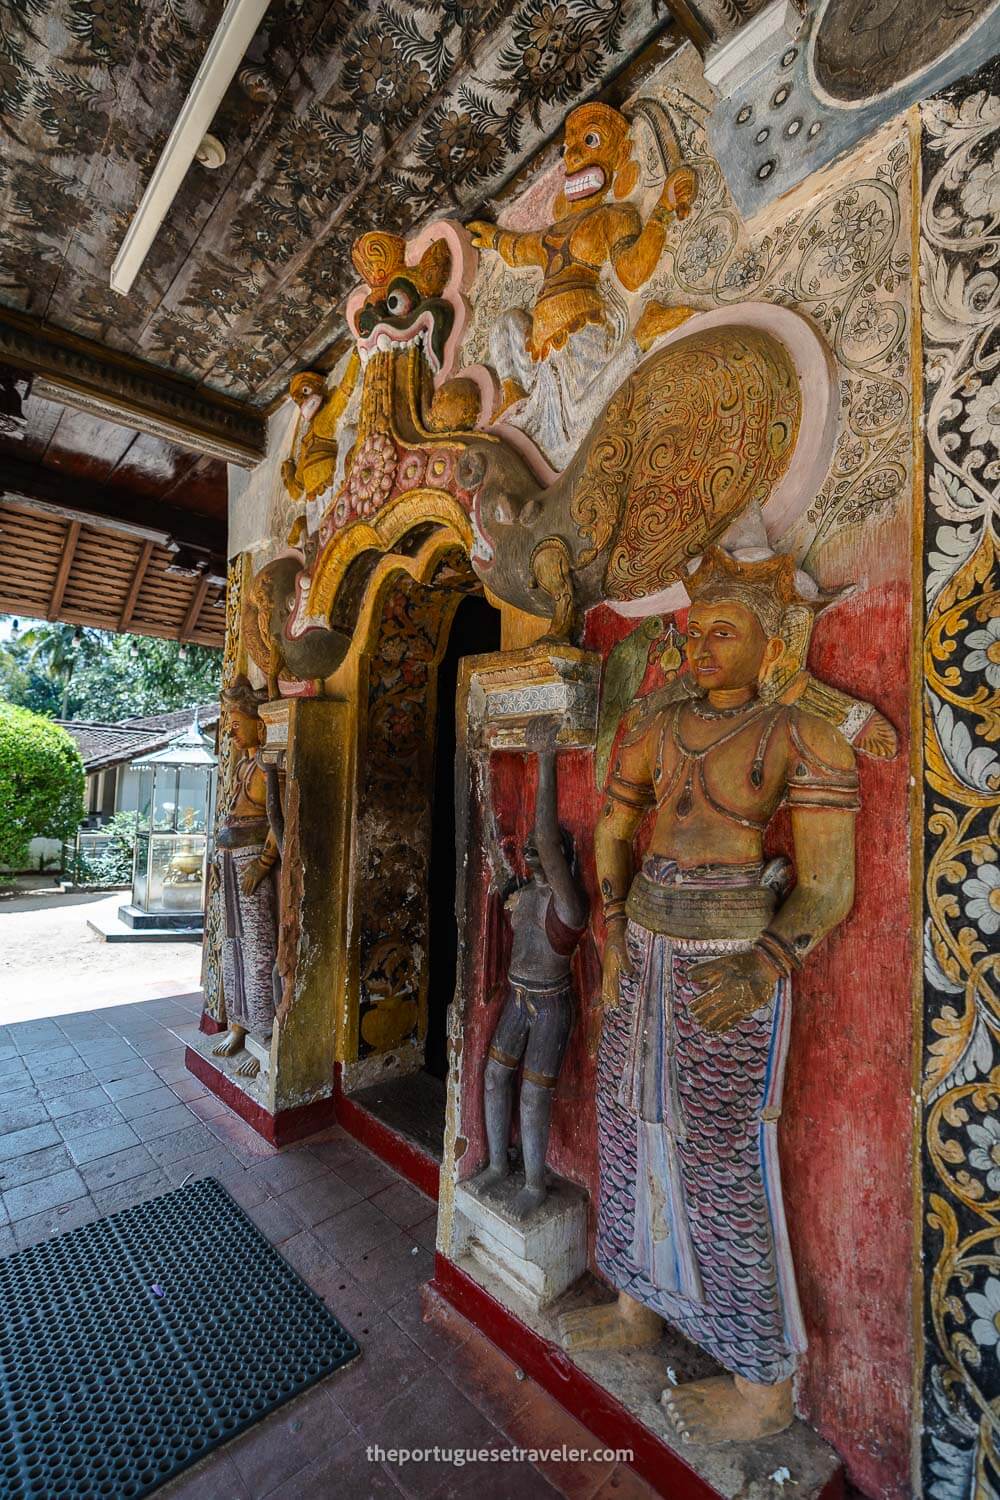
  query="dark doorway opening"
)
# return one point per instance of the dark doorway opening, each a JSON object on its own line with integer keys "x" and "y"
{"x": 475, "y": 631}
{"x": 414, "y": 1105}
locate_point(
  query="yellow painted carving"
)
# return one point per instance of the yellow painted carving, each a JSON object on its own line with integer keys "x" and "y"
{"x": 656, "y": 319}
{"x": 379, "y": 256}
{"x": 310, "y": 469}
{"x": 688, "y": 443}
{"x": 415, "y": 508}
{"x": 787, "y": 680}
{"x": 712, "y": 766}
{"x": 592, "y": 229}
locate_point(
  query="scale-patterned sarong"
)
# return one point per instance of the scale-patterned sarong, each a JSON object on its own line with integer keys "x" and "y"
{"x": 249, "y": 943}
{"x": 690, "y": 1215}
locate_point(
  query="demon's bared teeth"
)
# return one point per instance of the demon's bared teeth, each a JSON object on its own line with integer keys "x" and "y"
{"x": 581, "y": 184}
{"x": 394, "y": 340}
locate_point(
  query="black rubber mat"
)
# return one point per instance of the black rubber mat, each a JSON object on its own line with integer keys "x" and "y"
{"x": 132, "y": 1347}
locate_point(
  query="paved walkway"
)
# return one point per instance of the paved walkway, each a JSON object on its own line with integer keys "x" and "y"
{"x": 97, "y": 1112}
{"x": 52, "y": 964}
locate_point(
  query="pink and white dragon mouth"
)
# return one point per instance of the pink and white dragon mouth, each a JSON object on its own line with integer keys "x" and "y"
{"x": 383, "y": 338}
{"x": 582, "y": 184}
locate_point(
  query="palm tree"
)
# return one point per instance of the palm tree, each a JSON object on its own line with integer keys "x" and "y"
{"x": 55, "y": 649}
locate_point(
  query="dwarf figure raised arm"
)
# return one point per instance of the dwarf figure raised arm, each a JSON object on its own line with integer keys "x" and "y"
{"x": 249, "y": 848}
{"x": 548, "y": 915}
{"x": 702, "y": 946}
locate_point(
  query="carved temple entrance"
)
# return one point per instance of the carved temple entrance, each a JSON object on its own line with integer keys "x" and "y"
{"x": 403, "y": 851}
{"x": 368, "y": 936}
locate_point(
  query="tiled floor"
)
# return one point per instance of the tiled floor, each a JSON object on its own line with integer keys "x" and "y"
{"x": 98, "y": 1112}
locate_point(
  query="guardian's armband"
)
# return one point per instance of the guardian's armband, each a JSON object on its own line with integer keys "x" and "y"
{"x": 813, "y": 782}
{"x": 635, "y": 794}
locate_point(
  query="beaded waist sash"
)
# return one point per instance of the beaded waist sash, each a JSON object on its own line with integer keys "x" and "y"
{"x": 715, "y": 901}
{"x": 238, "y": 835}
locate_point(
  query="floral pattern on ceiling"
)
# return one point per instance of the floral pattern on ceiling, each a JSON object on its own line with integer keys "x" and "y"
{"x": 351, "y": 116}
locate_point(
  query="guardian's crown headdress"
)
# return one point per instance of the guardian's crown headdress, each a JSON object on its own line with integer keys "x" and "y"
{"x": 766, "y": 588}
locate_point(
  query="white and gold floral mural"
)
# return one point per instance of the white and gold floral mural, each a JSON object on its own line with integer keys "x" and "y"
{"x": 960, "y": 298}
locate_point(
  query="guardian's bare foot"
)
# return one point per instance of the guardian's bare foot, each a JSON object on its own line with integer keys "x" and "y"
{"x": 625, "y": 1324}
{"x": 249, "y": 1067}
{"x": 230, "y": 1044}
{"x": 527, "y": 1200}
{"x": 728, "y": 1409}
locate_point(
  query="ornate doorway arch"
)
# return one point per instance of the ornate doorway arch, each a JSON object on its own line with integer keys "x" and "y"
{"x": 404, "y": 631}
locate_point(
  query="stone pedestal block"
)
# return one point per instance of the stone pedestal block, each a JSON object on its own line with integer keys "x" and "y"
{"x": 538, "y": 1257}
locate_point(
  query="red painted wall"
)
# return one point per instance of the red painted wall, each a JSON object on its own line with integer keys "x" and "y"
{"x": 846, "y": 1128}
{"x": 846, "y": 1137}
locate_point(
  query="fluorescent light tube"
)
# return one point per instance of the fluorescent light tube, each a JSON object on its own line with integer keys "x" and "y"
{"x": 226, "y": 50}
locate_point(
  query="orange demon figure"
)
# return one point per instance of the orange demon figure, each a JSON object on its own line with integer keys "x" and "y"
{"x": 556, "y": 365}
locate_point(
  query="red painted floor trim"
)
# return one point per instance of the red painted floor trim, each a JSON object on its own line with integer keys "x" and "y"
{"x": 209, "y": 1026}
{"x": 605, "y": 1417}
{"x": 394, "y": 1149}
{"x": 582, "y": 1397}
{"x": 282, "y": 1129}
{"x": 293, "y": 1124}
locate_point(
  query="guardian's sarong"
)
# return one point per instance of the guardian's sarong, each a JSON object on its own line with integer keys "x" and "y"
{"x": 690, "y": 1216}
{"x": 249, "y": 943}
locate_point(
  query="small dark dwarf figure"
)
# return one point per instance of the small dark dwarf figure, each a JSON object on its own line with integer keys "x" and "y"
{"x": 548, "y": 915}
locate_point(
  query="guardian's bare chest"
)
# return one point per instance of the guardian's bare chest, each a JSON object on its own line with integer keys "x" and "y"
{"x": 734, "y": 770}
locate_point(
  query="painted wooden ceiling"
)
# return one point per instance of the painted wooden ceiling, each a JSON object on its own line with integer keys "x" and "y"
{"x": 88, "y": 451}
{"x": 346, "y": 116}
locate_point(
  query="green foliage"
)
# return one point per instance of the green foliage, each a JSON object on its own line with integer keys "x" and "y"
{"x": 55, "y": 651}
{"x": 68, "y": 672}
{"x": 116, "y": 862}
{"x": 114, "y": 865}
{"x": 135, "y": 675}
{"x": 41, "y": 783}
{"x": 25, "y": 684}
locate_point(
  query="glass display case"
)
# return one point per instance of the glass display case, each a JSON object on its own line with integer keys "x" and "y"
{"x": 176, "y": 803}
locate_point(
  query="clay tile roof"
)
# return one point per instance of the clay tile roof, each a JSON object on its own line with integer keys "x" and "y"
{"x": 176, "y": 719}
{"x": 105, "y": 745}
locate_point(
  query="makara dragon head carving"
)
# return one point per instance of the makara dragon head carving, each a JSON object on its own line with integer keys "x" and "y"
{"x": 404, "y": 306}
